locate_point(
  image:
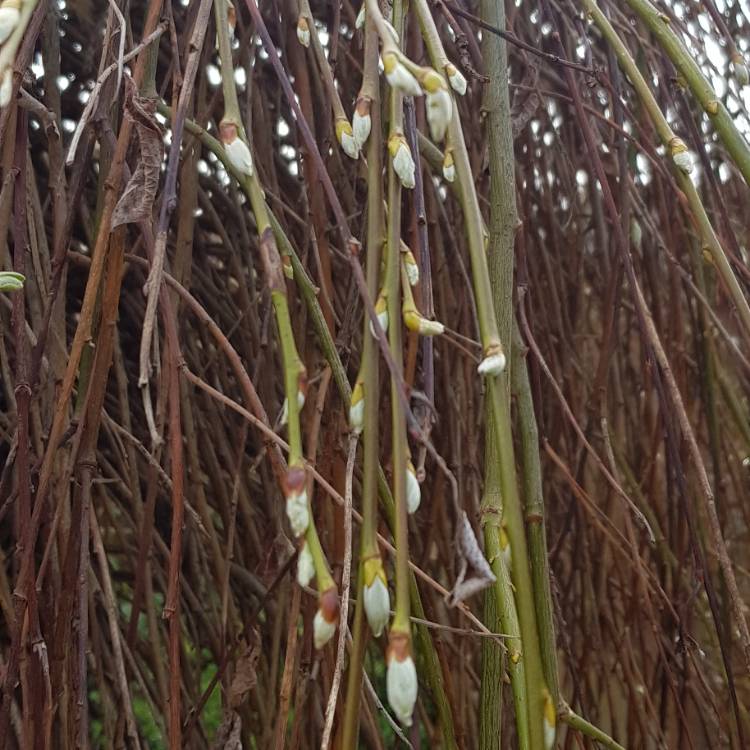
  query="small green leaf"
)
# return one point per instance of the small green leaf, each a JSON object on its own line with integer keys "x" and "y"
{"x": 10, "y": 281}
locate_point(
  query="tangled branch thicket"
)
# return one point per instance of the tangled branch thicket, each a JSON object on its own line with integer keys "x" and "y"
{"x": 374, "y": 375}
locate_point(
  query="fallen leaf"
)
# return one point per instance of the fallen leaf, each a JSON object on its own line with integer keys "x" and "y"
{"x": 245, "y": 675}
{"x": 469, "y": 554}
{"x": 228, "y": 733}
{"x": 137, "y": 201}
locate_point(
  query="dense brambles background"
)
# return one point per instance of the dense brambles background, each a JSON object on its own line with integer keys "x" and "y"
{"x": 595, "y": 220}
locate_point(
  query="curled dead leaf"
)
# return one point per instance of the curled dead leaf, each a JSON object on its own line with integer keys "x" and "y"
{"x": 137, "y": 200}
{"x": 228, "y": 734}
{"x": 245, "y": 675}
{"x": 470, "y": 556}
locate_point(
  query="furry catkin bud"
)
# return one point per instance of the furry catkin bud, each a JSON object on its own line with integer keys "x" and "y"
{"x": 413, "y": 490}
{"x": 231, "y": 20}
{"x": 9, "y": 16}
{"x": 403, "y": 163}
{"x": 680, "y": 155}
{"x": 326, "y": 618}
{"x": 456, "y": 79}
{"x": 401, "y": 678}
{"x": 303, "y": 31}
{"x": 636, "y": 233}
{"x": 399, "y": 77}
{"x": 305, "y": 566}
{"x": 285, "y": 408}
{"x": 381, "y": 310}
{"x": 345, "y": 136}
{"x": 431, "y": 81}
{"x": 361, "y": 16}
{"x": 412, "y": 268}
{"x": 439, "y": 106}
{"x": 739, "y": 70}
{"x": 449, "y": 166}
{"x": 376, "y": 596}
{"x": 236, "y": 149}
{"x": 322, "y": 630}
{"x": 357, "y": 407}
{"x": 550, "y": 720}
{"x": 362, "y": 121}
{"x": 6, "y": 88}
{"x": 295, "y": 490}
{"x": 493, "y": 362}
{"x": 415, "y": 321}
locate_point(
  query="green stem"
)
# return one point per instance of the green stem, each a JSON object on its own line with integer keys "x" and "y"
{"x": 531, "y": 482}
{"x": 350, "y": 732}
{"x": 499, "y": 401}
{"x": 401, "y": 623}
{"x": 294, "y": 369}
{"x": 320, "y": 56}
{"x": 322, "y": 571}
{"x": 370, "y": 374}
{"x": 697, "y": 82}
{"x": 491, "y": 680}
{"x": 666, "y": 134}
{"x": 327, "y": 345}
{"x": 430, "y": 35}
{"x": 231, "y": 102}
{"x": 504, "y": 605}
{"x": 572, "y": 719}
{"x": 375, "y": 234}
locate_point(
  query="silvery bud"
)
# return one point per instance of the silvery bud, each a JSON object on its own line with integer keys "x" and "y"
{"x": 739, "y": 70}
{"x": 285, "y": 408}
{"x": 361, "y": 16}
{"x": 231, "y": 20}
{"x": 236, "y": 149}
{"x": 376, "y": 596}
{"x": 403, "y": 163}
{"x": 357, "y": 407}
{"x": 345, "y": 136}
{"x": 401, "y": 678}
{"x": 305, "y": 566}
{"x": 550, "y": 720}
{"x": 295, "y": 490}
{"x": 303, "y": 31}
{"x": 412, "y": 268}
{"x": 413, "y": 490}
{"x": 456, "y": 79}
{"x": 636, "y": 233}
{"x": 493, "y": 362}
{"x": 439, "y": 106}
{"x": 449, "y": 167}
{"x": 6, "y": 88}
{"x": 362, "y": 121}
{"x": 680, "y": 155}
{"x": 326, "y": 618}
{"x": 381, "y": 310}
{"x": 399, "y": 77}
{"x": 416, "y": 322}
{"x": 9, "y": 16}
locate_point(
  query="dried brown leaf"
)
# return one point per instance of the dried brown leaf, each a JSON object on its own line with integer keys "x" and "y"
{"x": 228, "y": 734}
{"x": 136, "y": 202}
{"x": 470, "y": 556}
{"x": 245, "y": 675}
